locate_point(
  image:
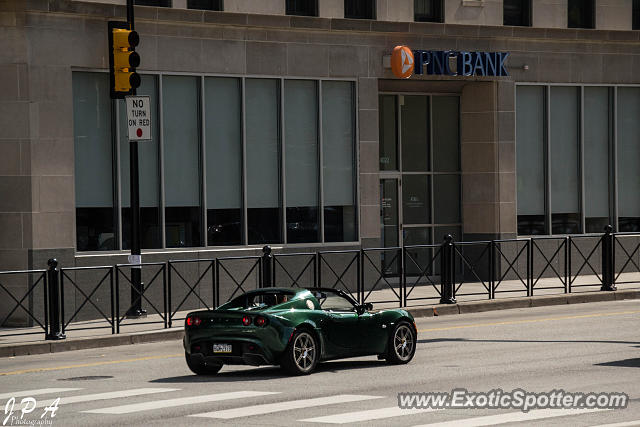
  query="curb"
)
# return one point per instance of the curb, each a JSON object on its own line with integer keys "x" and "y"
{"x": 526, "y": 302}
{"x": 91, "y": 342}
{"x": 430, "y": 311}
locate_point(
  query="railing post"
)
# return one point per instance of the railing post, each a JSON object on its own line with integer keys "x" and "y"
{"x": 54, "y": 332}
{"x": 447, "y": 272}
{"x": 607, "y": 260}
{"x": 267, "y": 266}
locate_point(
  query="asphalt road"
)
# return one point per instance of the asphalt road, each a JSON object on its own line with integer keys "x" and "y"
{"x": 579, "y": 348}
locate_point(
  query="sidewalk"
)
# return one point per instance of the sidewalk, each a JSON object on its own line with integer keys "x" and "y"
{"x": 422, "y": 301}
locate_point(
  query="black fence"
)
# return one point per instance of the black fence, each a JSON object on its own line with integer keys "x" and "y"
{"x": 61, "y": 299}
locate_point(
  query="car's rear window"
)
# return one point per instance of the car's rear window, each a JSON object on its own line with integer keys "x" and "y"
{"x": 258, "y": 301}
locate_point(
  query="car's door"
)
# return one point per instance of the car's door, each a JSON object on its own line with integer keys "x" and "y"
{"x": 342, "y": 324}
{"x": 370, "y": 334}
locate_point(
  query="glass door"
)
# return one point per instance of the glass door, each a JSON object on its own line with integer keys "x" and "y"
{"x": 419, "y": 169}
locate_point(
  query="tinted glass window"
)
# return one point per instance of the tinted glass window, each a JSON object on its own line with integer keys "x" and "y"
{"x": 427, "y": 10}
{"x": 155, "y": 3}
{"x": 205, "y": 4}
{"x": 517, "y": 12}
{"x": 581, "y": 14}
{"x": 636, "y": 14}
{"x": 360, "y": 9}
{"x": 302, "y": 7}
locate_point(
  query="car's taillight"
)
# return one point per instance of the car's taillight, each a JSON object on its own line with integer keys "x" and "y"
{"x": 246, "y": 320}
{"x": 260, "y": 321}
{"x": 194, "y": 321}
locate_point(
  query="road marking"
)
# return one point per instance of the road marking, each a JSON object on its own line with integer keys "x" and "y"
{"x": 88, "y": 365}
{"x": 36, "y": 392}
{"x": 517, "y": 322}
{"x": 105, "y": 396}
{"x": 634, "y": 423}
{"x": 513, "y": 417}
{"x": 373, "y": 414}
{"x": 268, "y": 408}
{"x": 169, "y": 403}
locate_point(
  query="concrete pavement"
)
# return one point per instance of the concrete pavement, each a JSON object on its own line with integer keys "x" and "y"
{"x": 581, "y": 347}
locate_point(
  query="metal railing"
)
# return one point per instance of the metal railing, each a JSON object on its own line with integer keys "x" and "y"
{"x": 395, "y": 276}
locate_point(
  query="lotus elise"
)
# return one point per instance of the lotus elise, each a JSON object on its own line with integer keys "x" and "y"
{"x": 295, "y": 328}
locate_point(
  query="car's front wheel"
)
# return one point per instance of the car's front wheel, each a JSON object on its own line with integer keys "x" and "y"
{"x": 402, "y": 344}
{"x": 200, "y": 367}
{"x": 301, "y": 355}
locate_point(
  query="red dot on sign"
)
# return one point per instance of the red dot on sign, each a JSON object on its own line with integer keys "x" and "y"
{"x": 139, "y": 132}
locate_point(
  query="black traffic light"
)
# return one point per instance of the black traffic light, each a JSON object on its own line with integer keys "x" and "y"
{"x": 123, "y": 60}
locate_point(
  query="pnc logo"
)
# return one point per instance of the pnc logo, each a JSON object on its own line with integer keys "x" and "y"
{"x": 405, "y": 62}
{"x": 402, "y": 62}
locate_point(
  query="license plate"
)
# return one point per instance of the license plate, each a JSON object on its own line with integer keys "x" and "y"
{"x": 222, "y": 348}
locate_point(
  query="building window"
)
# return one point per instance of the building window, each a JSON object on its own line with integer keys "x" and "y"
{"x": 628, "y": 153}
{"x": 338, "y": 155}
{"x": 581, "y": 14}
{"x": 181, "y": 140}
{"x": 565, "y": 166}
{"x": 636, "y": 15}
{"x": 233, "y": 161}
{"x": 530, "y": 164}
{"x": 564, "y": 105}
{"x": 302, "y": 7}
{"x": 517, "y": 13}
{"x": 205, "y": 4}
{"x": 302, "y": 170}
{"x": 427, "y": 11}
{"x": 153, "y": 3}
{"x": 262, "y": 100}
{"x": 94, "y": 178}
{"x": 360, "y": 9}
{"x": 223, "y": 136}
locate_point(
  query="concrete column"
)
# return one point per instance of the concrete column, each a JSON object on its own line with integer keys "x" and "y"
{"x": 488, "y": 160}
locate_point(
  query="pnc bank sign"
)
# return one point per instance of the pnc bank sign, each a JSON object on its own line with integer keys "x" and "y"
{"x": 405, "y": 62}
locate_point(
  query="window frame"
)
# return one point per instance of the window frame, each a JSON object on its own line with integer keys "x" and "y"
{"x": 203, "y": 208}
{"x": 587, "y": 14}
{"x": 437, "y": 12}
{"x": 218, "y": 6}
{"x": 612, "y": 148}
{"x": 291, "y": 10}
{"x": 355, "y": 6}
{"x": 525, "y": 13}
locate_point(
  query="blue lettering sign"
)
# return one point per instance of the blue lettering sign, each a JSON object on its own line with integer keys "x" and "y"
{"x": 467, "y": 63}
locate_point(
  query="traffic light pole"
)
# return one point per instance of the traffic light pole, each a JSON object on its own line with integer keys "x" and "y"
{"x": 137, "y": 287}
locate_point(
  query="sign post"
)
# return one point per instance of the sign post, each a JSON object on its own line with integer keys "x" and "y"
{"x": 137, "y": 287}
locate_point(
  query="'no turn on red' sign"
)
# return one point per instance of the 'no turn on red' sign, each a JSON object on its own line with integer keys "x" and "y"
{"x": 138, "y": 118}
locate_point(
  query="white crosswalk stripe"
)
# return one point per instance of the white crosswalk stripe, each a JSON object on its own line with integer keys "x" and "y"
{"x": 512, "y": 417}
{"x": 359, "y": 416}
{"x": 284, "y": 406}
{"x": 104, "y": 396}
{"x": 633, "y": 423}
{"x": 36, "y": 392}
{"x": 168, "y": 403}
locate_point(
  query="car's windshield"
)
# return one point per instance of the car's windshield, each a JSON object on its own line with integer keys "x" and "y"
{"x": 258, "y": 301}
{"x": 333, "y": 301}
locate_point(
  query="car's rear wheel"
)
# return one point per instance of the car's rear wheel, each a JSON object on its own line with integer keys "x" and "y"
{"x": 200, "y": 367}
{"x": 402, "y": 344}
{"x": 301, "y": 355}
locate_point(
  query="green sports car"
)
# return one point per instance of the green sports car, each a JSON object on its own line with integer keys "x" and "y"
{"x": 295, "y": 328}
